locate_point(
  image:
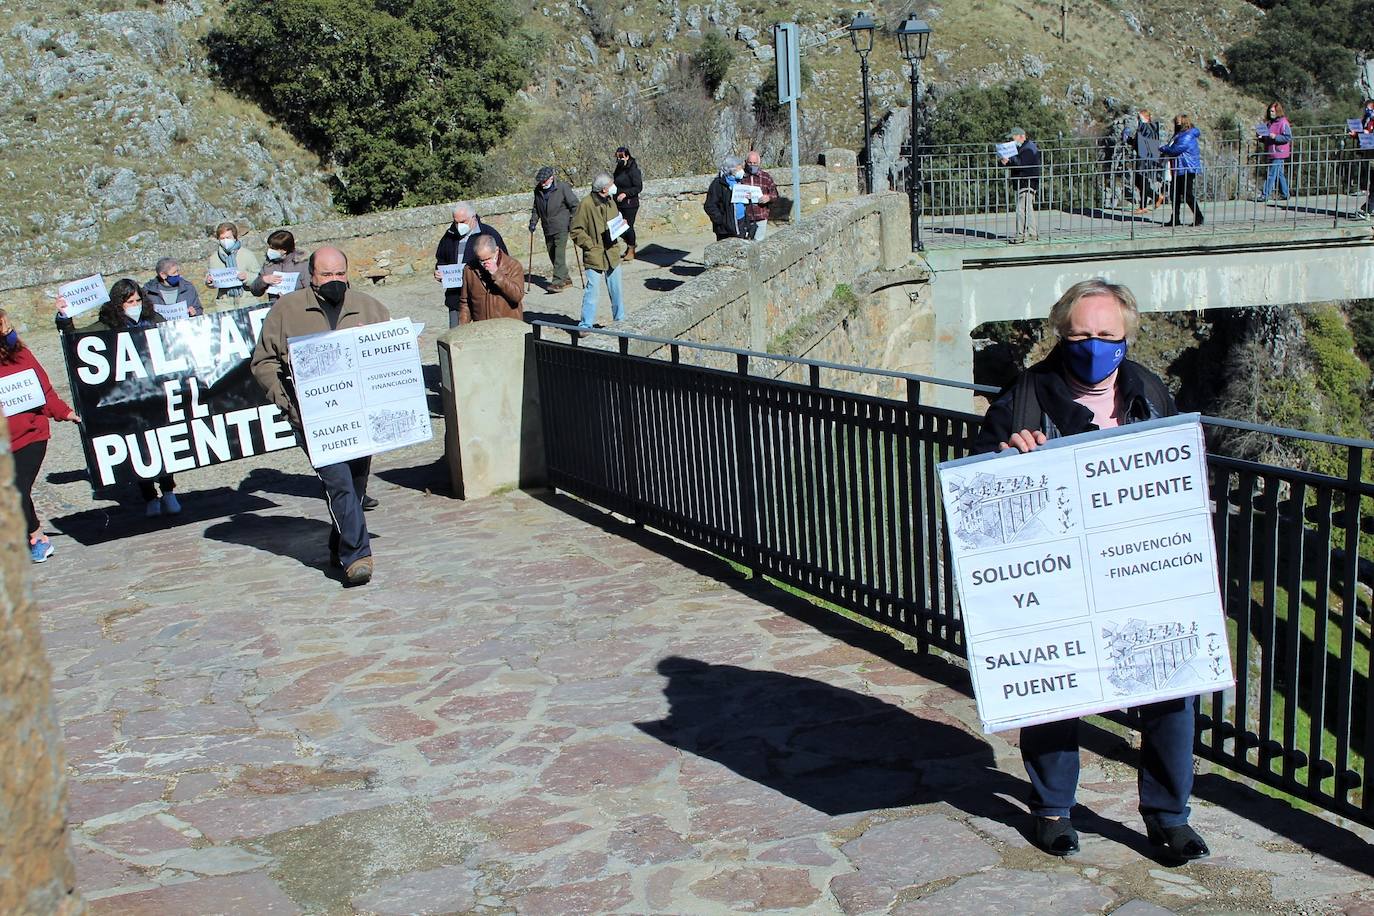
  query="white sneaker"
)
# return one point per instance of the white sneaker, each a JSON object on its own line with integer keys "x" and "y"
{"x": 170, "y": 504}
{"x": 154, "y": 508}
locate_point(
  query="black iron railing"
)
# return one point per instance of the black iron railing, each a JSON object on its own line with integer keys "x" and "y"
{"x": 835, "y": 493}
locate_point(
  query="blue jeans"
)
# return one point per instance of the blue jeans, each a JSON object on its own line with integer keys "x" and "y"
{"x": 1165, "y": 781}
{"x": 1275, "y": 174}
{"x": 592, "y": 293}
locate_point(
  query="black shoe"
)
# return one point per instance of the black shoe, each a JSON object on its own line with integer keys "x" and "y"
{"x": 1056, "y": 836}
{"x": 1197, "y": 220}
{"x": 369, "y": 503}
{"x": 1182, "y": 842}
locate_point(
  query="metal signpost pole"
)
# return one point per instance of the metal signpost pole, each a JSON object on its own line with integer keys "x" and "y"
{"x": 787, "y": 57}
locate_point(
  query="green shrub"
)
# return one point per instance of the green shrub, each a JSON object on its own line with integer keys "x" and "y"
{"x": 400, "y": 99}
{"x": 1304, "y": 51}
{"x": 713, "y": 59}
{"x": 984, "y": 115}
{"x": 767, "y": 110}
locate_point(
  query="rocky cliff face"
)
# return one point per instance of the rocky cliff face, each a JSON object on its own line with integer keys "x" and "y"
{"x": 114, "y": 136}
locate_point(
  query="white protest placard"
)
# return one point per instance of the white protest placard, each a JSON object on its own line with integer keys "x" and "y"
{"x": 286, "y": 284}
{"x": 1366, "y": 141}
{"x": 1007, "y": 150}
{"x": 360, "y": 390}
{"x": 21, "y": 391}
{"x": 1355, "y": 124}
{"x": 84, "y": 295}
{"x": 746, "y": 194}
{"x": 171, "y": 311}
{"x": 1261, "y": 131}
{"x": 616, "y": 227}
{"x": 1087, "y": 573}
{"x": 225, "y": 278}
{"x": 451, "y": 275}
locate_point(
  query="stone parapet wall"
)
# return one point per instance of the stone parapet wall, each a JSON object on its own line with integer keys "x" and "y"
{"x": 36, "y": 874}
{"x": 401, "y": 242}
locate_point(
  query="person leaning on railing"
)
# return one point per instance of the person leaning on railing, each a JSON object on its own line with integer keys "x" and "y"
{"x": 1086, "y": 383}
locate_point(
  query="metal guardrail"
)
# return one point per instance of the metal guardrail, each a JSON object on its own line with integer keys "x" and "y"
{"x": 835, "y": 494}
{"x": 1090, "y": 189}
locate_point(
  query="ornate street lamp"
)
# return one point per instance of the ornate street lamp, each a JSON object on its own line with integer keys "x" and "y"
{"x": 861, "y": 33}
{"x": 914, "y": 39}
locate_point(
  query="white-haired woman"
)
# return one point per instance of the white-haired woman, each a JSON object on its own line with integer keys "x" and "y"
{"x": 1086, "y": 383}
{"x": 728, "y": 219}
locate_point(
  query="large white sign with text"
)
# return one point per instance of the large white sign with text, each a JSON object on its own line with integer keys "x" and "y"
{"x": 1087, "y": 573}
{"x": 361, "y": 390}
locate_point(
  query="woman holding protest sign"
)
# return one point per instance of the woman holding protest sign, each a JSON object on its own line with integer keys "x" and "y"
{"x": 286, "y": 265}
{"x": 29, "y": 403}
{"x": 231, "y": 262}
{"x": 130, "y": 308}
{"x": 1086, "y": 383}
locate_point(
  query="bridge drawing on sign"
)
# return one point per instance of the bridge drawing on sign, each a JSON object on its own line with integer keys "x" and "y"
{"x": 995, "y": 510}
{"x": 1147, "y": 657}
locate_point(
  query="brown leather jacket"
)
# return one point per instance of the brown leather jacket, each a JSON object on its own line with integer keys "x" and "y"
{"x": 498, "y": 295}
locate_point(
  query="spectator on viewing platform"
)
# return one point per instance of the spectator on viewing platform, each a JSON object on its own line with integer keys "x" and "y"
{"x": 728, "y": 219}
{"x": 283, "y": 257}
{"x": 600, "y": 255}
{"x": 1086, "y": 383}
{"x": 1278, "y": 144}
{"x": 455, "y": 247}
{"x": 167, "y": 287}
{"x": 130, "y": 308}
{"x": 1185, "y": 158}
{"x": 229, "y": 252}
{"x": 554, "y": 206}
{"x": 29, "y": 432}
{"x": 1365, "y": 158}
{"x": 629, "y": 184}
{"x": 1148, "y": 161}
{"x": 325, "y": 304}
{"x": 493, "y": 285}
{"x": 1025, "y": 178}
{"x": 757, "y": 213}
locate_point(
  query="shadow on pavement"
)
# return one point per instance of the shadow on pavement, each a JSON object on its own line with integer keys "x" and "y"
{"x": 126, "y": 519}
{"x": 305, "y": 540}
{"x": 660, "y": 255}
{"x": 661, "y": 285}
{"x": 832, "y": 749}
{"x": 431, "y": 478}
{"x": 272, "y": 480}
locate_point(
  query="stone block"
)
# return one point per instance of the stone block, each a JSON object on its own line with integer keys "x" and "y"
{"x": 493, "y": 436}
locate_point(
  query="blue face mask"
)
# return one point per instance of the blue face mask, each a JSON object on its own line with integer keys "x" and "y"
{"x": 11, "y": 339}
{"x": 174, "y": 280}
{"x": 1093, "y": 359}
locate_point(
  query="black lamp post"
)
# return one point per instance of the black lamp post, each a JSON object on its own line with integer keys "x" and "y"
{"x": 861, "y": 33}
{"x": 914, "y": 39}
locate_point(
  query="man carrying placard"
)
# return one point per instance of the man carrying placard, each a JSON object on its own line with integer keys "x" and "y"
{"x": 455, "y": 252}
{"x": 1085, "y": 384}
{"x": 326, "y": 304}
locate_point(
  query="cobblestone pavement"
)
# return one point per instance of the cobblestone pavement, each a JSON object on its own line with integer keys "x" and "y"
{"x": 537, "y": 709}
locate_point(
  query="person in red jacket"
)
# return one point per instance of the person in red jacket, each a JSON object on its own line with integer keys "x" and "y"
{"x": 23, "y": 380}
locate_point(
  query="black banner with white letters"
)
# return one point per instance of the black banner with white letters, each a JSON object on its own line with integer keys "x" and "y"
{"x": 173, "y": 397}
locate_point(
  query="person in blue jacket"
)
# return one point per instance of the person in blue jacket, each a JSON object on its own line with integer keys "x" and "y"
{"x": 1186, "y": 160}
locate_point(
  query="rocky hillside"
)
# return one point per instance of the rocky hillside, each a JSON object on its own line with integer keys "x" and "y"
{"x": 111, "y": 134}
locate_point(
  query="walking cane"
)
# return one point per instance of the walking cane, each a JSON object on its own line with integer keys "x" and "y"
{"x": 581, "y": 278}
{"x": 529, "y": 264}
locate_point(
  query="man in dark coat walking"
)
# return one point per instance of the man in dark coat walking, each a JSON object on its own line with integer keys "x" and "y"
{"x": 455, "y": 247}
{"x": 554, "y": 206}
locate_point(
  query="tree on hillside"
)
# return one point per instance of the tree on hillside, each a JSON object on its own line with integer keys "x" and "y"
{"x": 713, "y": 59}
{"x": 1305, "y": 52}
{"x": 402, "y": 99}
{"x": 984, "y": 115}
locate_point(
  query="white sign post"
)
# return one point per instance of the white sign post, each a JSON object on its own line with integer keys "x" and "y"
{"x": 84, "y": 295}
{"x": 360, "y": 390}
{"x": 1087, "y": 573}
{"x": 787, "y": 59}
{"x": 20, "y": 392}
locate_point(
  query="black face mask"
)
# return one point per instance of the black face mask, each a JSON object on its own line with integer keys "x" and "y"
{"x": 332, "y": 292}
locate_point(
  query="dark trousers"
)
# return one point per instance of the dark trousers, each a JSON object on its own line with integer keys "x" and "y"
{"x": 1183, "y": 194}
{"x": 345, "y": 484}
{"x": 27, "y": 461}
{"x": 1050, "y": 753}
{"x": 1144, "y": 191}
{"x": 149, "y": 492}
{"x": 629, "y": 213}
{"x": 557, "y": 247}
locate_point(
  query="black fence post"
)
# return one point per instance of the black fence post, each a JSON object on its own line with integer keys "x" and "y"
{"x": 744, "y": 456}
